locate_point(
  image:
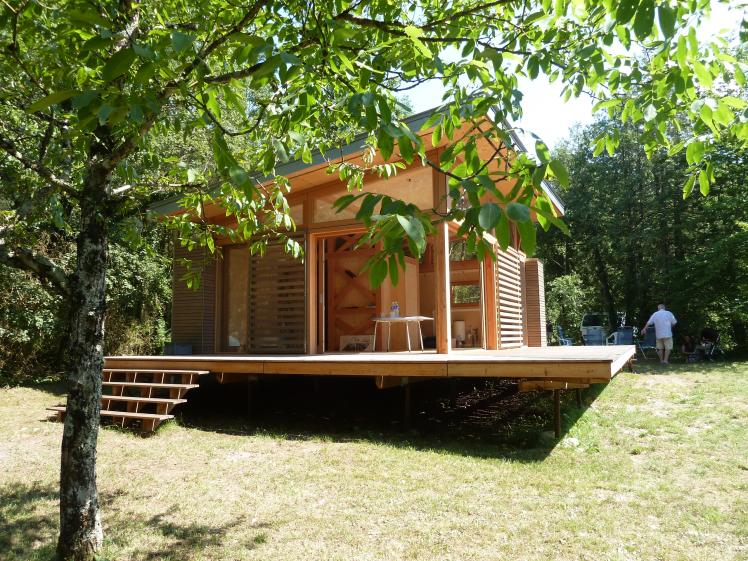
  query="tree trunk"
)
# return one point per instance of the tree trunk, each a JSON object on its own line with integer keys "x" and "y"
{"x": 602, "y": 276}
{"x": 81, "y": 533}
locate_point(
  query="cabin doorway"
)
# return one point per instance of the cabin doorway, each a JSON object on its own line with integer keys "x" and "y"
{"x": 348, "y": 301}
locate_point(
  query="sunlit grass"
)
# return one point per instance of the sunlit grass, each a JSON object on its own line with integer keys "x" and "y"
{"x": 655, "y": 467}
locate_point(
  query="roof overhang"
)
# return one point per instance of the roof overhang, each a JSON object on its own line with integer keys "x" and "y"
{"x": 352, "y": 149}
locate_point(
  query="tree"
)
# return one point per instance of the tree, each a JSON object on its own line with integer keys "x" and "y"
{"x": 89, "y": 88}
{"x": 649, "y": 243}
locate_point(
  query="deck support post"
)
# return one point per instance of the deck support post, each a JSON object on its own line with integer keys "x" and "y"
{"x": 406, "y": 404}
{"x": 579, "y": 398}
{"x": 452, "y": 392}
{"x": 557, "y": 413}
{"x": 250, "y": 382}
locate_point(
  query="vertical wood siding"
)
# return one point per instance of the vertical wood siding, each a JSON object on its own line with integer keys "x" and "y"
{"x": 535, "y": 303}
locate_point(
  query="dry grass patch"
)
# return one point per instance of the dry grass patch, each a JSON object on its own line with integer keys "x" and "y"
{"x": 655, "y": 468}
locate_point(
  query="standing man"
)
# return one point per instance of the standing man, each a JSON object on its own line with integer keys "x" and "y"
{"x": 663, "y": 322}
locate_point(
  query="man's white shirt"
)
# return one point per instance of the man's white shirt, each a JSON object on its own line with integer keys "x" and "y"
{"x": 663, "y": 321}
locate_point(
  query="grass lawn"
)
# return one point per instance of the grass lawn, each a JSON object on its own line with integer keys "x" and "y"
{"x": 654, "y": 468}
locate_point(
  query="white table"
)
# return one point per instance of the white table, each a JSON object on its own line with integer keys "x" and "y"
{"x": 407, "y": 320}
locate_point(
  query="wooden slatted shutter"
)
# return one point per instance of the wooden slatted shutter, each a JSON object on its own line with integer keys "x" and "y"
{"x": 193, "y": 311}
{"x": 509, "y": 302}
{"x": 277, "y": 309}
{"x": 535, "y": 303}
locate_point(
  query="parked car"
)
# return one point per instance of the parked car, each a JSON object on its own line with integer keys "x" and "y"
{"x": 594, "y": 328}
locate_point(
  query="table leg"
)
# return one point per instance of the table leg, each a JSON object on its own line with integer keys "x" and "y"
{"x": 407, "y": 333}
{"x": 374, "y": 346}
{"x": 389, "y": 332}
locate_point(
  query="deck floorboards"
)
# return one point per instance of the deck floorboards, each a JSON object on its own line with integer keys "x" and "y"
{"x": 596, "y": 364}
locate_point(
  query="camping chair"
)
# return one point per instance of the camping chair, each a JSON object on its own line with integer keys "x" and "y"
{"x": 562, "y": 340}
{"x": 649, "y": 342}
{"x": 710, "y": 345}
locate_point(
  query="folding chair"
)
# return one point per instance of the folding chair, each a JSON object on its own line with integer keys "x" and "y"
{"x": 712, "y": 351}
{"x": 562, "y": 340}
{"x": 649, "y": 342}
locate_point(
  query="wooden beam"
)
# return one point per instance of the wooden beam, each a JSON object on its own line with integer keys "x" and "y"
{"x": 538, "y": 385}
{"x": 310, "y": 261}
{"x": 489, "y": 289}
{"x": 442, "y": 321}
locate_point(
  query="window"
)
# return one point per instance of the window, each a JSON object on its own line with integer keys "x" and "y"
{"x": 458, "y": 251}
{"x": 236, "y": 298}
{"x": 466, "y": 294}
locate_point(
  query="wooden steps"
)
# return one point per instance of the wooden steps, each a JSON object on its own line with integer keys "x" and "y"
{"x": 148, "y": 385}
{"x": 142, "y": 399}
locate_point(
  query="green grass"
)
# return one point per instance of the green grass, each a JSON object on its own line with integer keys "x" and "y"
{"x": 655, "y": 468}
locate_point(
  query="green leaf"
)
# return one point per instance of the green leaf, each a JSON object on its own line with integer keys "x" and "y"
{"x": 414, "y": 33}
{"x": 180, "y": 41}
{"x": 367, "y": 207}
{"x": 502, "y": 231}
{"x": 518, "y": 212}
{"x": 51, "y": 99}
{"x": 559, "y": 170}
{"x": 666, "y": 15}
{"x": 84, "y": 99}
{"x": 703, "y": 74}
{"x": 688, "y": 186}
{"x": 694, "y": 152}
{"x": 385, "y": 144}
{"x": 143, "y": 51}
{"x": 118, "y": 64}
{"x": 703, "y": 182}
{"x": 406, "y": 148}
{"x": 394, "y": 274}
{"x": 542, "y": 151}
{"x": 104, "y": 112}
{"x": 377, "y": 273}
{"x": 626, "y": 10}
{"x": 489, "y": 215}
{"x": 528, "y": 237}
{"x": 280, "y": 151}
{"x": 414, "y": 230}
{"x": 644, "y": 19}
{"x": 239, "y": 177}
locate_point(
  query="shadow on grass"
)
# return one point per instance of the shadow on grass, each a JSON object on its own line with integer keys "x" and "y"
{"x": 653, "y": 367}
{"x": 29, "y": 526}
{"x": 483, "y": 418}
{"x": 55, "y": 388}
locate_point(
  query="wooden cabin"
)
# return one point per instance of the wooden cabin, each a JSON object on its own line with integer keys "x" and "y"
{"x": 275, "y": 304}
{"x": 271, "y": 315}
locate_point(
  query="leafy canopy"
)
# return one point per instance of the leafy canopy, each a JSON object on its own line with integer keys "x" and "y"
{"x": 269, "y": 81}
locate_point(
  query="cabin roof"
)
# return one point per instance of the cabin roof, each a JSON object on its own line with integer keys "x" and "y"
{"x": 415, "y": 122}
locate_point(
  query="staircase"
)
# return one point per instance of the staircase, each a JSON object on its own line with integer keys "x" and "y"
{"x": 141, "y": 399}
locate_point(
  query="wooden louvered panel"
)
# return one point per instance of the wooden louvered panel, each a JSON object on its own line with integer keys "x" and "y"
{"x": 509, "y": 298}
{"x": 193, "y": 311}
{"x": 277, "y": 303}
{"x": 535, "y": 297}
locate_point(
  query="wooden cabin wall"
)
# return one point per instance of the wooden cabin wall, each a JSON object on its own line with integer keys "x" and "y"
{"x": 535, "y": 303}
{"x": 509, "y": 298}
{"x": 193, "y": 311}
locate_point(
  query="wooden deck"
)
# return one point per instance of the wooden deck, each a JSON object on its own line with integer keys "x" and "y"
{"x": 587, "y": 364}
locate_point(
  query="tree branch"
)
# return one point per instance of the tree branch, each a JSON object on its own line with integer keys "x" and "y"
{"x": 38, "y": 264}
{"x": 10, "y": 148}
